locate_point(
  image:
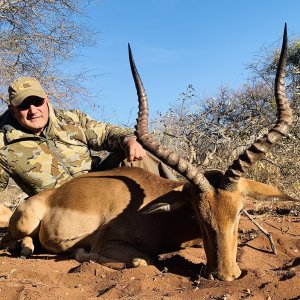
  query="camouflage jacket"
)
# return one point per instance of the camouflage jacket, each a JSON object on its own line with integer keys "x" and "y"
{"x": 38, "y": 163}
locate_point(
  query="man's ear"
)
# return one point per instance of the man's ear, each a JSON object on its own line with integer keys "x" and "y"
{"x": 12, "y": 110}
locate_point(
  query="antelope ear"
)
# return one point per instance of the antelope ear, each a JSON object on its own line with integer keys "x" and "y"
{"x": 171, "y": 201}
{"x": 261, "y": 191}
{"x": 161, "y": 207}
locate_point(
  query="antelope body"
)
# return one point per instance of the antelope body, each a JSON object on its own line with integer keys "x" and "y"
{"x": 128, "y": 215}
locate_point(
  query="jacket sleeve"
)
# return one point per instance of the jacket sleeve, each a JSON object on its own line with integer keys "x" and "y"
{"x": 4, "y": 177}
{"x": 104, "y": 136}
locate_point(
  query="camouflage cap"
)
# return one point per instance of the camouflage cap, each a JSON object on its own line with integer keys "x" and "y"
{"x": 24, "y": 87}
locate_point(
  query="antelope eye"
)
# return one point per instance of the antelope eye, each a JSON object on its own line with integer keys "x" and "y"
{"x": 240, "y": 211}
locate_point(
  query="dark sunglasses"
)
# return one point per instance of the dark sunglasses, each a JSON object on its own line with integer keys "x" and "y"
{"x": 37, "y": 102}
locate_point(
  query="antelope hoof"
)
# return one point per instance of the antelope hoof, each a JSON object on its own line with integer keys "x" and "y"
{"x": 223, "y": 276}
{"x": 139, "y": 262}
{"x": 27, "y": 247}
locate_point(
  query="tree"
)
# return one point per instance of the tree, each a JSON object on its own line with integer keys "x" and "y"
{"x": 36, "y": 36}
{"x": 265, "y": 66}
{"x": 212, "y": 131}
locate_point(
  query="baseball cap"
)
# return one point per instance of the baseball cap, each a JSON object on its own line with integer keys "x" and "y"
{"x": 24, "y": 87}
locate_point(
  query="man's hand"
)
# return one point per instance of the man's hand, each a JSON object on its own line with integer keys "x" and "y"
{"x": 134, "y": 150}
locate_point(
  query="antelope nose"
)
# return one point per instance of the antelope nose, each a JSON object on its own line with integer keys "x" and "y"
{"x": 230, "y": 276}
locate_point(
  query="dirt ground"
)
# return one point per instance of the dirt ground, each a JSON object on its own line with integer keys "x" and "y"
{"x": 175, "y": 276}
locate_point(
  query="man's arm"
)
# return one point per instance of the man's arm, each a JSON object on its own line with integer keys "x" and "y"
{"x": 105, "y": 136}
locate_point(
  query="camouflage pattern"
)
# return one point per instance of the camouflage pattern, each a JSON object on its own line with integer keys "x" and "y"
{"x": 38, "y": 163}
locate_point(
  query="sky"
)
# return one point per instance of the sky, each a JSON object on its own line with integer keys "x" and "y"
{"x": 176, "y": 43}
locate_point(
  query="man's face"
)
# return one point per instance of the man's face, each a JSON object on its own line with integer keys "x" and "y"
{"x": 32, "y": 113}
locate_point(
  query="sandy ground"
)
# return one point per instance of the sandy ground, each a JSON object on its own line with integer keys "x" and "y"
{"x": 175, "y": 276}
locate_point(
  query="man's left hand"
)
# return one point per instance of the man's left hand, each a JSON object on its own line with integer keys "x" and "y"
{"x": 134, "y": 150}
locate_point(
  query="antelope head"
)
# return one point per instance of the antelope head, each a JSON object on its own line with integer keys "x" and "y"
{"x": 218, "y": 199}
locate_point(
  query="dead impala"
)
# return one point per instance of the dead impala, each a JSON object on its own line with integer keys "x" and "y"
{"x": 109, "y": 216}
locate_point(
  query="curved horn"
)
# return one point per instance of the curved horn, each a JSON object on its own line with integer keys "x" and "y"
{"x": 282, "y": 127}
{"x": 147, "y": 140}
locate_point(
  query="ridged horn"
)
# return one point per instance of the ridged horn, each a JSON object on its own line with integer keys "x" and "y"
{"x": 282, "y": 127}
{"x": 167, "y": 156}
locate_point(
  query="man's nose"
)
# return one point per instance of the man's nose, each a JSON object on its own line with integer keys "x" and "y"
{"x": 32, "y": 109}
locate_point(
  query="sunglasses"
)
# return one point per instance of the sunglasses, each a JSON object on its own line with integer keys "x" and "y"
{"x": 37, "y": 102}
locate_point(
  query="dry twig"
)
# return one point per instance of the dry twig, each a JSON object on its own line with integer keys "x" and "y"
{"x": 268, "y": 234}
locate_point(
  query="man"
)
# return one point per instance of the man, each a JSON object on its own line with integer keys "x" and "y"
{"x": 42, "y": 147}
